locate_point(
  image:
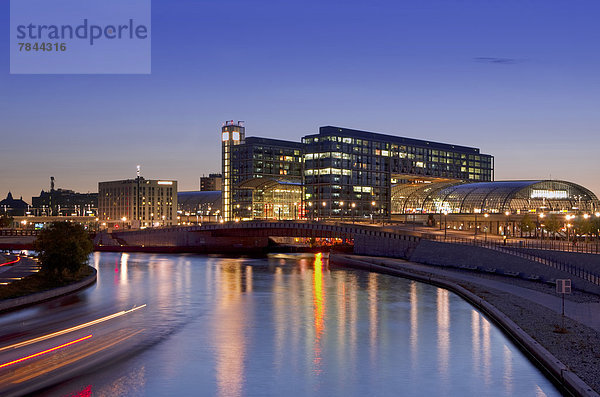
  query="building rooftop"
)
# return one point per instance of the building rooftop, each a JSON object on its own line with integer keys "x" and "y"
{"x": 332, "y": 130}
{"x": 275, "y": 142}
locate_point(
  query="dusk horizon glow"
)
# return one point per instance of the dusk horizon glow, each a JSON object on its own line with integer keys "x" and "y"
{"x": 517, "y": 80}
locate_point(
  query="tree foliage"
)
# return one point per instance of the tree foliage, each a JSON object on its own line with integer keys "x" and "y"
{"x": 6, "y": 221}
{"x": 553, "y": 224}
{"x": 527, "y": 224}
{"x": 63, "y": 248}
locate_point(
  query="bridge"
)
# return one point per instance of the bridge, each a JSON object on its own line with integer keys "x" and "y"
{"x": 240, "y": 236}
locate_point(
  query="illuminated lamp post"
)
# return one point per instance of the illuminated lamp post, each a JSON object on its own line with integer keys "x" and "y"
{"x": 342, "y": 211}
{"x": 373, "y": 203}
{"x": 485, "y": 227}
{"x": 324, "y": 203}
{"x": 353, "y": 205}
{"x": 541, "y": 216}
{"x": 312, "y": 214}
{"x": 124, "y": 219}
{"x": 506, "y": 231}
{"x": 445, "y": 224}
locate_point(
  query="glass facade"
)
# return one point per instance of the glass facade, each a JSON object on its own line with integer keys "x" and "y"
{"x": 232, "y": 135}
{"x": 350, "y": 173}
{"x": 252, "y": 158}
{"x": 493, "y": 197}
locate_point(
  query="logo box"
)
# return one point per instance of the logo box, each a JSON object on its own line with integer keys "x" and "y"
{"x": 80, "y": 37}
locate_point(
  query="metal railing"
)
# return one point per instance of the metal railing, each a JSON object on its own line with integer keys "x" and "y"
{"x": 18, "y": 232}
{"x": 512, "y": 249}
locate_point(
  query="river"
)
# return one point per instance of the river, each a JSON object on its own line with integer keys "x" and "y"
{"x": 284, "y": 325}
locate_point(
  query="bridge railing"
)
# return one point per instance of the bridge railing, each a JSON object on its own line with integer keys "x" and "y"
{"x": 18, "y": 232}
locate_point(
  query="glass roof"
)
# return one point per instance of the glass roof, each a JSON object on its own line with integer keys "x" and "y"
{"x": 492, "y": 197}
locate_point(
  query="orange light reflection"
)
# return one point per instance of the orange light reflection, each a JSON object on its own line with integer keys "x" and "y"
{"x": 319, "y": 309}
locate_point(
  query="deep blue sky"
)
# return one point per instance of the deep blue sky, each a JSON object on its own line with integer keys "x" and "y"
{"x": 519, "y": 79}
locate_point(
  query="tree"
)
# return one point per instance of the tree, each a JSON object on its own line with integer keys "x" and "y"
{"x": 63, "y": 248}
{"x": 526, "y": 225}
{"x": 6, "y": 221}
{"x": 595, "y": 226}
{"x": 553, "y": 225}
{"x": 582, "y": 226}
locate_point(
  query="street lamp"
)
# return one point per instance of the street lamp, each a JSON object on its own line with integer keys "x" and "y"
{"x": 507, "y": 213}
{"x": 486, "y": 215}
{"x": 353, "y": 205}
{"x": 124, "y": 219}
{"x": 373, "y": 203}
{"x": 342, "y": 211}
{"x": 445, "y": 224}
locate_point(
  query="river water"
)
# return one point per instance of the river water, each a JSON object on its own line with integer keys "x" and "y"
{"x": 287, "y": 325}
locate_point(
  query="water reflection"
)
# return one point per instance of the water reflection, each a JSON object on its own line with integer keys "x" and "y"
{"x": 229, "y": 330}
{"x": 443, "y": 329}
{"x": 508, "y": 373}
{"x": 319, "y": 310}
{"x": 285, "y": 325}
{"x": 372, "y": 290}
{"x": 124, "y": 271}
{"x": 414, "y": 323}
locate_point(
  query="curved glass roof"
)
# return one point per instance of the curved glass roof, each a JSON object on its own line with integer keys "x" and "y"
{"x": 492, "y": 197}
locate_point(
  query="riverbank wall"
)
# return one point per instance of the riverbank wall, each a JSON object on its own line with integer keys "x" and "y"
{"x": 23, "y": 301}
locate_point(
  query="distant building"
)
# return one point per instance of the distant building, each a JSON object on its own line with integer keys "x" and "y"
{"x": 212, "y": 182}
{"x": 198, "y": 207}
{"x": 137, "y": 203}
{"x": 57, "y": 202}
{"x": 13, "y": 207}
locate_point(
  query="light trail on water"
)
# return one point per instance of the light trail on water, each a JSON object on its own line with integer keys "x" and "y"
{"x": 75, "y": 328}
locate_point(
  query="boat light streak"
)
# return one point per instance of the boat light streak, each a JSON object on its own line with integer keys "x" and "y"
{"x": 45, "y": 351}
{"x": 75, "y": 328}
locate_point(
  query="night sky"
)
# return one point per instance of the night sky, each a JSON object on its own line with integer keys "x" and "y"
{"x": 518, "y": 79}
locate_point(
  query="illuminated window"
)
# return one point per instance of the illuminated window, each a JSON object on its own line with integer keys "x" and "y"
{"x": 225, "y": 136}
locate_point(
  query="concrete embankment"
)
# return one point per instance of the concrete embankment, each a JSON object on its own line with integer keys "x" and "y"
{"x": 453, "y": 255}
{"x": 22, "y": 301}
{"x": 559, "y": 371}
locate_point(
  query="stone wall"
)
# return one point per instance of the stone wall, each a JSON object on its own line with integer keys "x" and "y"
{"x": 390, "y": 245}
{"x": 448, "y": 254}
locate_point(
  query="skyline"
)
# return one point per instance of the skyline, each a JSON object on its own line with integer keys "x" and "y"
{"x": 516, "y": 80}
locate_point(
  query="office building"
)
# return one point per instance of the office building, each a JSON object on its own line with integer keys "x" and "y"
{"x": 262, "y": 177}
{"x": 350, "y": 173}
{"x": 211, "y": 183}
{"x": 336, "y": 173}
{"x": 137, "y": 203}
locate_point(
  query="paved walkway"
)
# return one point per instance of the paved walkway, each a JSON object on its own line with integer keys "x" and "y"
{"x": 24, "y": 267}
{"x": 587, "y": 313}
